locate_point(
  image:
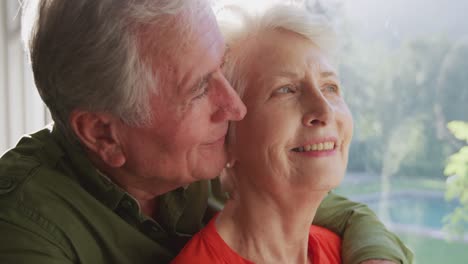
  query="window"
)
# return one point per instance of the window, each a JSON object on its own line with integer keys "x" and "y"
{"x": 404, "y": 71}
{"x": 21, "y": 110}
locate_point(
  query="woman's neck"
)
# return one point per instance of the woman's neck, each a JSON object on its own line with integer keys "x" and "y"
{"x": 267, "y": 228}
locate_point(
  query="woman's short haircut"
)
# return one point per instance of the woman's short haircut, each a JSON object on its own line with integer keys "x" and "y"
{"x": 241, "y": 35}
{"x": 104, "y": 55}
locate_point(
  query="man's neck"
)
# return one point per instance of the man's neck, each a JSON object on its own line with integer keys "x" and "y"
{"x": 148, "y": 201}
{"x": 149, "y": 204}
{"x": 150, "y": 207}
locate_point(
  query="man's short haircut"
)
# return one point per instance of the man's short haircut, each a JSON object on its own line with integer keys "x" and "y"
{"x": 105, "y": 55}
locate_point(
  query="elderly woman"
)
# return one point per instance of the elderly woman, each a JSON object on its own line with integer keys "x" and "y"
{"x": 290, "y": 150}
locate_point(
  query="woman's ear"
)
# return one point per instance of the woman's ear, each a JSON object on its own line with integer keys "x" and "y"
{"x": 231, "y": 156}
{"x": 230, "y": 163}
{"x": 98, "y": 132}
{"x": 227, "y": 177}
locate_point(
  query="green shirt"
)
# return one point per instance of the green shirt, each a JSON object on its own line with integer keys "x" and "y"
{"x": 55, "y": 207}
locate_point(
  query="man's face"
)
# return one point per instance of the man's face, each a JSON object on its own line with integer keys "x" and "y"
{"x": 185, "y": 141}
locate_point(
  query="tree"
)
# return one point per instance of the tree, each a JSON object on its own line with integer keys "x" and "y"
{"x": 457, "y": 182}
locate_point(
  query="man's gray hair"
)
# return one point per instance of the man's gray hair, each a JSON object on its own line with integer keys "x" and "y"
{"x": 241, "y": 35}
{"x": 105, "y": 55}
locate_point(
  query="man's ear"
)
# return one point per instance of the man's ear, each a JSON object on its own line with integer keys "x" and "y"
{"x": 98, "y": 132}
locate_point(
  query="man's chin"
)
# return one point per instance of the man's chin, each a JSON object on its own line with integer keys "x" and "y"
{"x": 210, "y": 172}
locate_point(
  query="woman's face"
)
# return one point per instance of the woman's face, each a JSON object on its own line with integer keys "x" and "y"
{"x": 298, "y": 127}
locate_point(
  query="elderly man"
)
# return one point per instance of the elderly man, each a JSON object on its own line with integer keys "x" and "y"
{"x": 141, "y": 111}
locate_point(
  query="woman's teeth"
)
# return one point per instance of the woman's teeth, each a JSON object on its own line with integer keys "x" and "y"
{"x": 316, "y": 147}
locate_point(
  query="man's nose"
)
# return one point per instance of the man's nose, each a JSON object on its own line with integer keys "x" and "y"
{"x": 230, "y": 106}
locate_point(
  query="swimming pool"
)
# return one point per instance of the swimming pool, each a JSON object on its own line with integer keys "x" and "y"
{"x": 414, "y": 211}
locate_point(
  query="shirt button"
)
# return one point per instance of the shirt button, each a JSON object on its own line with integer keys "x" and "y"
{"x": 127, "y": 204}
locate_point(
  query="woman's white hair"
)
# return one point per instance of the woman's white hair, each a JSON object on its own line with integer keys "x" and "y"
{"x": 103, "y": 55}
{"x": 241, "y": 37}
{"x": 241, "y": 34}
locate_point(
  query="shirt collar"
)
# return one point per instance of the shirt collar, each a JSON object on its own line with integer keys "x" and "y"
{"x": 172, "y": 204}
{"x": 75, "y": 160}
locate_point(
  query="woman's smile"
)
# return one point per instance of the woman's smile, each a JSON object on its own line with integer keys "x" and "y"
{"x": 317, "y": 148}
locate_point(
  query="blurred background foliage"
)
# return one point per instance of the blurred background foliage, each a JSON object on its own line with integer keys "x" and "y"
{"x": 404, "y": 72}
{"x": 401, "y": 101}
{"x": 457, "y": 184}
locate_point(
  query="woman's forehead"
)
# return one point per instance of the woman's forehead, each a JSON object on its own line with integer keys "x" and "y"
{"x": 283, "y": 49}
{"x": 289, "y": 56}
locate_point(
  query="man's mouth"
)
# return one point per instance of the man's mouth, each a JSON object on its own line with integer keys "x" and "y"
{"x": 323, "y": 146}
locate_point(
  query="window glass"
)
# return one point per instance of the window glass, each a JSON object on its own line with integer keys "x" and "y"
{"x": 404, "y": 68}
{"x": 21, "y": 109}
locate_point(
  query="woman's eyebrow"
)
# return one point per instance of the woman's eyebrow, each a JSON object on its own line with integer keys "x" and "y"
{"x": 327, "y": 74}
{"x": 290, "y": 72}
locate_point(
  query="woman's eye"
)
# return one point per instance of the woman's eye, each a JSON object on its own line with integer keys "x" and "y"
{"x": 331, "y": 88}
{"x": 284, "y": 90}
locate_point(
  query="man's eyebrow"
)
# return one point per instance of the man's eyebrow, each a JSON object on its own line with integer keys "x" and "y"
{"x": 199, "y": 83}
{"x": 223, "y": 59}
{"x": 204, "y": 79}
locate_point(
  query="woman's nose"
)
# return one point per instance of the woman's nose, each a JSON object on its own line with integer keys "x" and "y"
{"x": 319, "y": 111}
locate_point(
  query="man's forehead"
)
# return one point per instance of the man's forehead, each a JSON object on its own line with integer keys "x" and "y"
{"x": 202, "y": 56}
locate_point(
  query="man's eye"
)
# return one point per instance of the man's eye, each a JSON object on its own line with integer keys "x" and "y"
{"x": 284, "y": 90}
{"x": 202, "y": 87}
{"x": 203, "y": 92}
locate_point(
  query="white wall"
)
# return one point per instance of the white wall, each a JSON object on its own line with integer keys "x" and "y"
{"x": 21, "y": 109}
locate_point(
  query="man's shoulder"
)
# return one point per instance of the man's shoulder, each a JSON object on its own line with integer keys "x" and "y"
{"x": 50, "y": 199}
{"x": 29, "y": 163}
{"x": 19, "y": 164}
{"x": 39, "y": 192}
{"x": 36, "y": 179}
{"x": 31, "y": 188}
